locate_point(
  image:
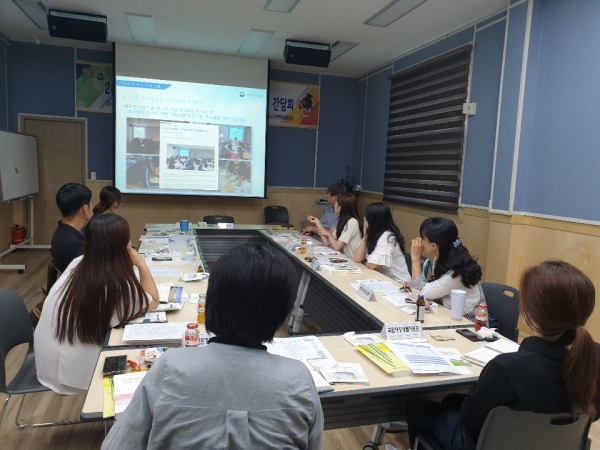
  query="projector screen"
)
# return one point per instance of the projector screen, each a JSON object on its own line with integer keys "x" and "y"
{"x": 189, "y": 123}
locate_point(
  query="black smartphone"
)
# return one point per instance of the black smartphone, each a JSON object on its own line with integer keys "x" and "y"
{"x": 162, "y": 258}
{"x": 470, "y": 335}
{"x": 114, "y": 365}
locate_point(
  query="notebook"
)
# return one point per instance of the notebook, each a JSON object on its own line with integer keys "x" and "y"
{"x": 485, "y": 354}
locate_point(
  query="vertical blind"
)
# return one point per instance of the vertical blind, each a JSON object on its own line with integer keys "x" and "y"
{"x": 426, "y": 130}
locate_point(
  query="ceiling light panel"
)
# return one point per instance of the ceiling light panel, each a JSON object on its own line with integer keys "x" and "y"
{"x": 339, "y": 48}
{"x": 141, "y": 27}
{"x": 392, "y": 12}
{"x": 280, "y": 6}
{"x": 254, "y": 41}
{"x": 35, "y": 11}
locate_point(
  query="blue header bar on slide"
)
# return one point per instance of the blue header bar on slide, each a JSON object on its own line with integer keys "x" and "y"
{"x": 143, "y": 84}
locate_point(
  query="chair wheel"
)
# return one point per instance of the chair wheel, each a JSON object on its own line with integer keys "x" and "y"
{"x": 371, "y": 446}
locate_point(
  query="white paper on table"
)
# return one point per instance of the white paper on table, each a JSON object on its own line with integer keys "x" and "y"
{"x": 454, "y": 355}
{"x": 170, "y": 331}
{"x": 396, "y": 300}
{"x": 421, "y": 358}
{"x": 304, "y": 347}
{"x": 154, "y": 240}
{"x": 124, "y": 388}
{"x": 320, "y": 383}
{"x": 163, "y": 291}
{"x": 361, "y": 339}
{"x": 163, "y": 271}
{"x": 344, "y": 373}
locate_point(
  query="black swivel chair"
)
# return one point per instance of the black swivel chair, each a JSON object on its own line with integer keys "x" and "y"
{"x": 213, "y": 220}
{"x": 16, "y": 329}
{"x": 503, "y": 304}
{"x": 276, "y": 214}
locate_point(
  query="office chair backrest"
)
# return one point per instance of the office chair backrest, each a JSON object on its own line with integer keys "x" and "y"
{"x": 503, "y": 304}
{"x": 15, "y": 327}
{"x": 276, "y": 214}
{"x": 213, "y": 220}
{"x": 507, "y": 429}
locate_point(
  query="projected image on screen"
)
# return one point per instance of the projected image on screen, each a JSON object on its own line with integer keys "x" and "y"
{"x": 185, "y": 138}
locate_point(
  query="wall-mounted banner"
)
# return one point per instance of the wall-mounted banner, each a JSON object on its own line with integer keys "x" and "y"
{"x": 294, "y": 104}
{"x": 94, "y": 87}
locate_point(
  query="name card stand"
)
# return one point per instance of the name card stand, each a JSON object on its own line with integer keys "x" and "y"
{"x": 402, "y": 330}
{"x": 315, "y": 265}
{"x": 366, "y": 293}
{"x": 225, "y": 226}
{"x": 291, "y": 246}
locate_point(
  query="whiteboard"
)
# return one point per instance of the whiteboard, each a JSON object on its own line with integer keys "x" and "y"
{"x": 18, "y": 166}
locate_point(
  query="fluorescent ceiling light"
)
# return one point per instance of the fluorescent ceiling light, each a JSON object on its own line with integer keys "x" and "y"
{"x": 254, "y": 41}
{"x": 35, "y": 11}
{"x": 392, "y": 12}
{"x": 281, "y": 6}
{"x": 339, "y": 48}
{"x": 141, "y": 27}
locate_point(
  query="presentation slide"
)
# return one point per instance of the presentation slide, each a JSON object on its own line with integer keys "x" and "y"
{"x": 182, "y": 138}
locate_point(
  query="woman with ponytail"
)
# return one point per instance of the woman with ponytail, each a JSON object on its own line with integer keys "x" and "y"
{"x": 110, "y": 200}
{"x": 555, "y": 371}
{"x": 453, "y": 266}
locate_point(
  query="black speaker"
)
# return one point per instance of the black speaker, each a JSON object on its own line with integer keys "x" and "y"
{"x": 83, "y": 27}
{"x": 307, "y": 53}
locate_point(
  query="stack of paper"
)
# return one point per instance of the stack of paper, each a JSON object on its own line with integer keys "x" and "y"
{"x": 485, "y": 354}
{"x": 309, "y": 348}
{"x": 163, "y": 271}
{"x": 155, "y": 332}
{"x": 339, "y": 268}
{"x": 423, "y": 358}
{"x": 347, "y": 373}
{"x": 320, "y": 383}
{"x": 380, "y": 354}
{"x": 124, "y": 388}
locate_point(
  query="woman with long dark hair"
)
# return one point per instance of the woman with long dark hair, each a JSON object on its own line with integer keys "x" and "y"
{"x": 110, "y": 200}
{"x": 555, "y": 371}
{"x": 349, "y": 231}
{"x": 96, "y": 292}
{"x": 382, "y": 244}
{"x": 453, "y": 266}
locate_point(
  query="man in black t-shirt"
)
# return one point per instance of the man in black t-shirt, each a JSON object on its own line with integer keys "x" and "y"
{"x": 75, "y": 203}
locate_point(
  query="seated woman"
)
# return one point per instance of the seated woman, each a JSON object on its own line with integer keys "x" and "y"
{"x": 243, "y": 183}
{"x": 349, "y": 231}
{"x": 382, "y": 244}
{"x": 453, "y": 266}
{"x": 555, "y": 371}
{"x": 96, "y": 292}
{"x": 230, "y": 393}
{"x": 110, "y": 200}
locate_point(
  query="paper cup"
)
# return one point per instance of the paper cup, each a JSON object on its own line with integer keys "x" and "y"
{"x": 457, "y": 303}
{"x": 184, "y": 225}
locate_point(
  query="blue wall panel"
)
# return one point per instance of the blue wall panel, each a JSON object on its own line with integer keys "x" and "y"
{"x": 510, "y": 101}
{"x": 41, "y": 80}
{"x": 359, "y": 129}
{"x": 290, "y": 162}
{"x": 483, "y": 23}
{"x": 562, "y": 175}
{"x": 378, "y": 105}
{"x": 481, "y": 132}
{"x": 100, "y": 138}
{"x": 437, "y": 48}
{"x": 336, "y": 131}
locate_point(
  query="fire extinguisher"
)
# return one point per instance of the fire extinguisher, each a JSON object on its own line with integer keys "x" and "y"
{"x": 18, "y": 234}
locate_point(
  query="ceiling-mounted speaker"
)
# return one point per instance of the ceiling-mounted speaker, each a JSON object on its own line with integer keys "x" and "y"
{"x": 83, "y": 27}
{"x": 307, "y": 53}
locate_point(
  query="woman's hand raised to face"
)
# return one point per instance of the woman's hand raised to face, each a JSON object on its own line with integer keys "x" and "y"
{"x": 136, "y": 258}
{"x": 416, "y": 249}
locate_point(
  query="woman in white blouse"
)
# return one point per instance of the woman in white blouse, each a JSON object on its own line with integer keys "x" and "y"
{"x": 453, "y": 266}
{"x": 382, "y": 244}
{"x": 97, "y": 291}
{"x": 348, "y": 234}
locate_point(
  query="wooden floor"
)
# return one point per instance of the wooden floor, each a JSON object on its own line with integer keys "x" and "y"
{"x": 51, "y": 407}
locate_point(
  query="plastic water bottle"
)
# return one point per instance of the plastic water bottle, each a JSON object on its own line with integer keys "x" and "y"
{"x": 481, "y": 316}
{"x": 192, "y": 335}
